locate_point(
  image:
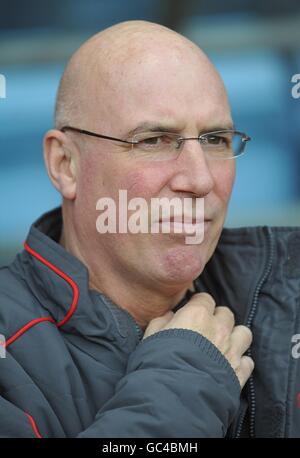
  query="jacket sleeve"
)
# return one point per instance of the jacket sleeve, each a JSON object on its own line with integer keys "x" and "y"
{"x": 177, "y": 384}
{"x": 15, "y": 423}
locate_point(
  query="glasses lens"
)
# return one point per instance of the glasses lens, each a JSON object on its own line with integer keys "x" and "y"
{"x": 163, "y": 146}
{"x": 224, "y": 145}
{"x": 157, "y": 146}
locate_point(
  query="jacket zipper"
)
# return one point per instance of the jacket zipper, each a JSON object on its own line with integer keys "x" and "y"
{"x": 138, "y": 329}
{"x": 251, "y": 389}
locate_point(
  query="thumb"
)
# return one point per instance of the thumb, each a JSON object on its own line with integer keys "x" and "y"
{"x": 157, "y": 324}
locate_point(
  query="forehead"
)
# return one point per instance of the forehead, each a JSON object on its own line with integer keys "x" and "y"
{"x": 169, "y": 85}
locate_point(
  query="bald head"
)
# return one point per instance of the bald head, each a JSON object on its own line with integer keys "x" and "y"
{"x": 103, "y": 65}
{"x": 136, "y": 77}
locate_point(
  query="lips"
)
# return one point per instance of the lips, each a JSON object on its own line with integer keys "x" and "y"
{"x": 176, "y": 225}
{"x": 184, "y": 219}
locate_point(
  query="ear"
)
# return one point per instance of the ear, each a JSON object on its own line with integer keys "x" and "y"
{"x": 60, "y": 155}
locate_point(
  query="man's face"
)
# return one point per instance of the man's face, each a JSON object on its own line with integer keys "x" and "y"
{"x": 173, "y": 89}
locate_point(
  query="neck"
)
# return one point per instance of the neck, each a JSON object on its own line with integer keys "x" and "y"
{"x": 143, "y": 302}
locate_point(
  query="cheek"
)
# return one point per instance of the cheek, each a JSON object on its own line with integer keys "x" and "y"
{"x": 224, "y": 176}
{"x": 145, "y": 182}
{"x": 97, "y": 177}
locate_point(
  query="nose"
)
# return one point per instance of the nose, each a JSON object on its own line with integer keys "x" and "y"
{"x": 192, "y": 170}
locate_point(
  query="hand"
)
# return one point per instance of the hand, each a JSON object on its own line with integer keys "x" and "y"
{"x": 201, "y": 315}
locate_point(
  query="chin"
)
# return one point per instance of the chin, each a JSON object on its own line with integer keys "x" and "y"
{"x": 183, "y": 264}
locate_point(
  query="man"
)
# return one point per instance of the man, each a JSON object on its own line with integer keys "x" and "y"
{"x": 122, "y": 334}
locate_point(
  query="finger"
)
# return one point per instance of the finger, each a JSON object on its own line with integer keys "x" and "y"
{"x": 204, "y": 300}
{"x": 225, "y": 315}
{"x": 245, "y": 370}
{"x": 158, "y": 323}
{"x": 241, "y": 339}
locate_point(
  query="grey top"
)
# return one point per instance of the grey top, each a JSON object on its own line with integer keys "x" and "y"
{"x": 75, "y": 364}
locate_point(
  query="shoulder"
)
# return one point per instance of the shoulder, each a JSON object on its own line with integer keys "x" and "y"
{"x": 18, "y": 305}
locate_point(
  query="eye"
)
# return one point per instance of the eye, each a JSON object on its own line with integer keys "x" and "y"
{"x": 217, "y": 140}
{"x": 152, "y": 141}
{"x": 156, "y": 141}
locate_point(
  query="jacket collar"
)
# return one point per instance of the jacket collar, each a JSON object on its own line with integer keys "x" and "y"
{"x": 61, "y": 282}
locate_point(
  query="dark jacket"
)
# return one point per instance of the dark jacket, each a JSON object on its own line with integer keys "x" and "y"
{"x": 75, "y": 364}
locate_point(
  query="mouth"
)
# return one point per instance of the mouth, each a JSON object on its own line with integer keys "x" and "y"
{"x": 184, "y": 225}
{"x": 184, "y": 219}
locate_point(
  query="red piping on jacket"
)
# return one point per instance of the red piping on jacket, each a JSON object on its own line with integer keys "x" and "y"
{"x": 25, "y": 328}
{"x": 39, "y": 320}
{"x": 33, "y": 425}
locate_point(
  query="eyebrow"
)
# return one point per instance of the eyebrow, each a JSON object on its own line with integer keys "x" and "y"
{"x": 215, "y": 128}
{"x": 148, "y": 126}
